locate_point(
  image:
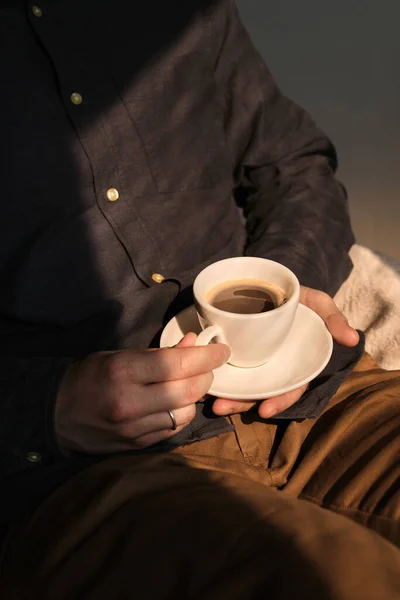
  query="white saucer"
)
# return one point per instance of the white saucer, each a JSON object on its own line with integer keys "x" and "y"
{"x": 303, "y": 355}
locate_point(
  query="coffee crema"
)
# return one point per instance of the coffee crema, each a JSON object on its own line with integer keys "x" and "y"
{"x": 246, "y": 296}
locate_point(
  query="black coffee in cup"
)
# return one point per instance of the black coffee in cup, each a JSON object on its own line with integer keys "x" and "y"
{"x": 246, "y": 296}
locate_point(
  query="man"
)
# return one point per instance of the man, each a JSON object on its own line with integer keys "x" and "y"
{"x": 130, "y": 136}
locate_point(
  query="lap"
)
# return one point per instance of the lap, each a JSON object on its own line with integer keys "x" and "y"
{"x": 347, "y": 460}
{"x": 209, "y": 518}
{"x": 162, "y": 527}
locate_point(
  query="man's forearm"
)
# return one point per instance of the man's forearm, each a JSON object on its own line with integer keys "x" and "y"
{"x": 297, "y": 214}
{"x": 284, "y": 165}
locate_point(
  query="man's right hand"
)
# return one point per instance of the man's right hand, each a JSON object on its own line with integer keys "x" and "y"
{"x": 116, "y": 401}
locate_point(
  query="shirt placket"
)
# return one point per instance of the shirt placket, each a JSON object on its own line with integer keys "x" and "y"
{"x": 88, "y": 94}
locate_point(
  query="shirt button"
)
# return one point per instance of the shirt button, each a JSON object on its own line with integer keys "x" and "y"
{"x": 112, "y": 194}
{"x": 158, "y": 278}
{"x": 36, "y": 11}
{"x": 34, "y": 457}
{"x": 76, "y": 98}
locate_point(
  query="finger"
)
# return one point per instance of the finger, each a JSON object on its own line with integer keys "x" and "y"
{"x": 224, "y": 406}
{"x": 188, "y": 340}
{"x": 119, "y": 444}
{"x": 170, "y": 395}
{"x": 341, "y": 330}
{"x": 153, "y": 438}
{"x": 169, "y": 364}
{"x": 274, "y": 406}
{"x": 129, "y": 431}
{"x": 135, "y": 402}
{"x": 336, "y": 322}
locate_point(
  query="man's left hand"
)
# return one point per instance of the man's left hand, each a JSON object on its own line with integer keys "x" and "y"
{"x": 342, "y": 333}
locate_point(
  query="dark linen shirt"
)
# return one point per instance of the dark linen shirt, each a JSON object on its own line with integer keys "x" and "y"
{"x": 135, "y": 136}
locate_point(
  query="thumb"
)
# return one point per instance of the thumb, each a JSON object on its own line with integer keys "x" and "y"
{"x": 188, "y": 340}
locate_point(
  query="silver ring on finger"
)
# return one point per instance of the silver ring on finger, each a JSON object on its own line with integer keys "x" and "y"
{"x": 174, "y": 425}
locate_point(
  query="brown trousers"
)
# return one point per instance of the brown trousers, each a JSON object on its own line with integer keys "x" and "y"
{"x": 242, "y": 516}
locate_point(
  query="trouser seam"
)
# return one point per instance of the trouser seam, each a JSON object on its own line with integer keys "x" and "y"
{"x": 206, "y": 457}
{"x": 245, "y": 455}
{"x": 322, "y": 504}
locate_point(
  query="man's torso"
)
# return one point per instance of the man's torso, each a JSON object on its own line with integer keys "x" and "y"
{"x": 76, "y": 268}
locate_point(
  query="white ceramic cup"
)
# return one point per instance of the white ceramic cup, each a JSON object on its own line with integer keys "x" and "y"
{"x": 252, "y": 338}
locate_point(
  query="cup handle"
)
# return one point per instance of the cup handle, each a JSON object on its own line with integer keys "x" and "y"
{"x": 208, "y": 334}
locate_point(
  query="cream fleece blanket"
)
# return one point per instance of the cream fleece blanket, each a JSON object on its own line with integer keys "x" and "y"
{"x": 370, "y": 299}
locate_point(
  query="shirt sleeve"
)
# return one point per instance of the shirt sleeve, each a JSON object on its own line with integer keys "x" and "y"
{"x": 296, "y": 211}
{"x": 28, "y": 392}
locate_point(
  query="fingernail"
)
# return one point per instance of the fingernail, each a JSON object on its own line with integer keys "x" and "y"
{"x": 355, "y": 335}
{"x": 228, "y": 353}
